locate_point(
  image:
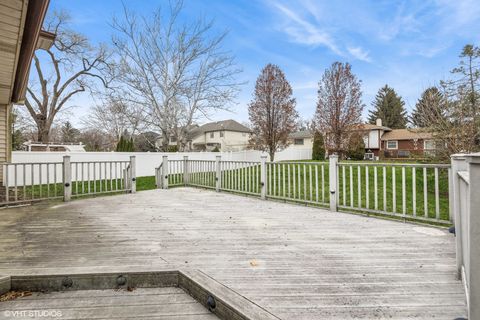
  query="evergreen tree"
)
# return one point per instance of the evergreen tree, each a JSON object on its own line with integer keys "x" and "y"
{"x": 318, "y": 150}
{"x": 389, "y": 107}
{"x": 429, "y": 102}
{"x": 120, "y": 145}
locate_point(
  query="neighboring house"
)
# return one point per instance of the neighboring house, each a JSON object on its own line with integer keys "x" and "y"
{"x": 226, "y": 135}
{"x": 383, "y": 142}
{"x": 405, "y": 143}
{"x": 21, "y": 34}
{"x": 53, "y": 147}
{"x": 301, "y": 139}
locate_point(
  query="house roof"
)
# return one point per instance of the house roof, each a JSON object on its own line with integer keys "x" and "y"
{"x": 21, "y": 35}
{"x": 368, "y": 126}
{"x": 406, "y": 134}
{"x": 228, "y": 125}
{"x": 302, "y": 134}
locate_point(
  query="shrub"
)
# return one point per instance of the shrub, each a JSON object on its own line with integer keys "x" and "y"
{"x": 318, "y": 150}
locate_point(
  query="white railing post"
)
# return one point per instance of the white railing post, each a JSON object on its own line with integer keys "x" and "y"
{"x": 333, "y": 179}
{"x": 457, "y": 164}
{"x": 218, "y": 176}
{"x": 67, "y": 179}
{"x": 185, "y": 171}
{"x": 165, "y": 172}
{"x": 133, "y": 175}
{"x": 473, "y": 209}
{"x": 263, "y": 177}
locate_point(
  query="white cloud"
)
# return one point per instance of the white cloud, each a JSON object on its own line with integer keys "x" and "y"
{"x": 300, "y": 30}
{"x": 359, "y": 54}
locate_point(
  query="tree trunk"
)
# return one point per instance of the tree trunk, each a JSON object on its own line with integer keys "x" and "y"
{"x": 272, "y": 156}
{"x": 43, "y": 133}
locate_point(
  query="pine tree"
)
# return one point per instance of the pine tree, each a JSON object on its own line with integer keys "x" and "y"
{"x": 318, "y": 150}
{"x": 120, "y": 145}
{"x": 389, "y": 107}
{"x": 429, "y": 102}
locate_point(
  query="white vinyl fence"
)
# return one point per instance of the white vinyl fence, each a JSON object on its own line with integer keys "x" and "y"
{"x": 466, "y": 208}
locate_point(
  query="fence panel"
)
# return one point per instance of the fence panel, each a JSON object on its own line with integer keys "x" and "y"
{"x": 240, "y": 176}
{"x": 417, "y": 191}
{"x": 100, "y": 177}
{"x": 202, "y": 173}
{"x": 298, "y": 181}
{"x": 26, "y": 182}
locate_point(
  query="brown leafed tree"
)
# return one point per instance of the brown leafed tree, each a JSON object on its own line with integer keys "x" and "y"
{"x": 272, "y": 111}
{"x": 62, "y": 72}
{"x": 339, "y": 106}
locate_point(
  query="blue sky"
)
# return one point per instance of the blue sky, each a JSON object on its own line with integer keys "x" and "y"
{"x": 409, "y": 45}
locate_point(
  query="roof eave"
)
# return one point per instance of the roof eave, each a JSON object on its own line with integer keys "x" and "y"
{"x": 33, "y": 24}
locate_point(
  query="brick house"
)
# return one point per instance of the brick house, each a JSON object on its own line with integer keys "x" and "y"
{"x": 383, "y": 142}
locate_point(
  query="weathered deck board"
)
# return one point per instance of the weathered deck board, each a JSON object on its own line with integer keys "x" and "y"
{"x": 297, "y": 262}
{"x": 151, "y": 303}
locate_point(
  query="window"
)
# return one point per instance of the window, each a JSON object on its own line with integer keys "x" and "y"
{"x": 369, "y": 156}
{"x": 298, "y": 142}
{"x": 173, "y": 139}
{"x": 222, "y": 134}
{"x": 212, "y": 134}
{"x": 429, "y": 145}
{"x": 393, "y": 144}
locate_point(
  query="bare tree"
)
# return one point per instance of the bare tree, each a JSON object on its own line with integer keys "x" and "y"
{"x": 339, "y": 106}
{"x": 272, "y": 111}
{"x": 177, "y": 71}
{"x": 71, "y": 66}
{"x": 114, "y": 118}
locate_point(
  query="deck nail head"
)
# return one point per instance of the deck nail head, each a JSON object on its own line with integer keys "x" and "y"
{"x": 67, "y": 282}
{"x": 121, "y": 280}
{"x": 211, "y": 303}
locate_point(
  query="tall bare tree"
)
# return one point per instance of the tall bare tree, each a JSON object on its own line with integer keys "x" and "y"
{"x": 177, "y": 71}
{"x": 272, "y": 111}
{"x": 339, "y": 106}
{"x": 114, "y": 117}
{"x": 71, "y": 66}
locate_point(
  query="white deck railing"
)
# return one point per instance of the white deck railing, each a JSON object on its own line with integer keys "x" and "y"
{"x": 27, "y": 182}
{"x": 409, "y": 191}
{"x": 466, "y": 208}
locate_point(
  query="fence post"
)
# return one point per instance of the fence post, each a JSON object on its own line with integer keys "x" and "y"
{"x": 218, "y": 176}
{"x": 67, "y": 179}
{"x": 457, "y": 164}
{"x": 333, "y": 179}
{"x": 185, "y": 171}
{"x": 473, "y": 208}
{"x": 263, "y": 177}
{"x": 165, "y": 172}
{"x": 133, "y": 175}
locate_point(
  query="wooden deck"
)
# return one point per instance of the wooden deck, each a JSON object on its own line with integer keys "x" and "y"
{"x": 143, "y": 303}
{"x": 294, "y": 261}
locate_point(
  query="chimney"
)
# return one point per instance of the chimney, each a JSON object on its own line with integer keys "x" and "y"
{"x": 379, "y": 122}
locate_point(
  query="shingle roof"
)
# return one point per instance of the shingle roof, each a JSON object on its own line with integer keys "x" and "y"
{"x": 406, "y": 134}
{"x": 300, "y": 134}
{"x": 228, "y": 125}
{"x": 368, "y": 126}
